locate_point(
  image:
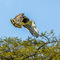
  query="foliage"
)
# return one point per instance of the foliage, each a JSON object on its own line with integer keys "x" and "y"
{"x": 45, "y": 48}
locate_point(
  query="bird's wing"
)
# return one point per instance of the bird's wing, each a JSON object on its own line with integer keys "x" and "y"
{"x": 16, "y": 25}
{"x": 32, "y": 28}
{"x": 17, "y": 21}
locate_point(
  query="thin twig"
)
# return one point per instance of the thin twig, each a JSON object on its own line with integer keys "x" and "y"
{"x": 45, "y": 37}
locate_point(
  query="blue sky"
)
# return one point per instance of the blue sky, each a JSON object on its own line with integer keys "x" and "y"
{"x": 45, "y": 13}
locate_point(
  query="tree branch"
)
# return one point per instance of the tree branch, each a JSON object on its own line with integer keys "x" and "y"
{"x": 39, "y": 48}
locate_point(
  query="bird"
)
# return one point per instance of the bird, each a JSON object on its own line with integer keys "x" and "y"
{"x": 21, "y": 20}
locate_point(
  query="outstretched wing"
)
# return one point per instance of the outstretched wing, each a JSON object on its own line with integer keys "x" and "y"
{"x": 32, "y": 28}
{"x": 15, "y": 24}
{"x": 17, "y": 21}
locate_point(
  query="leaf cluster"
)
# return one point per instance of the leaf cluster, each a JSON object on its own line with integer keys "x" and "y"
{"x": 45, "y": 48}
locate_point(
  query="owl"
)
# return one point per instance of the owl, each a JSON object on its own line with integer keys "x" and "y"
{"x": 21, "y": 20}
